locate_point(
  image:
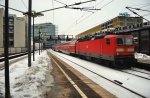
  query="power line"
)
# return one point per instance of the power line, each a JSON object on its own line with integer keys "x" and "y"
{"x": 12, "y": 8}
{"x": 136, "y": 13}
{"x": 75, "y": 22}
{"x": 24, "y": 4}
{"x": 67, "y": 6}
{"x": 77, "y": 8}
{"x": 60, "y": 2}
{"x": 76, "y": 19}
{"x": 143, "y": 5}
{"x": 138, "y": 9}
{"x": 93, "y": 13}
{"x": 95, "y": 6}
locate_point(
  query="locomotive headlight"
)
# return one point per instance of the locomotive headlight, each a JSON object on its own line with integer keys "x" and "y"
{"x": 120, "y": 50}
{"x": 130, "y": 49}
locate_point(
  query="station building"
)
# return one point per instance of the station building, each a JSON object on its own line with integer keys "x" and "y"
{"x": 17, "y": 33}
{"x": 117, "y": 22}
{"x": 45, "y": 29}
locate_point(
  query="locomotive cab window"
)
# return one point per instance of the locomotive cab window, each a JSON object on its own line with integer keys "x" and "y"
{"x": 119, "y": 41}
{"x": 124, "y": 41}
{"x": 107, "y": 41}
{"x": 129, "y": 41}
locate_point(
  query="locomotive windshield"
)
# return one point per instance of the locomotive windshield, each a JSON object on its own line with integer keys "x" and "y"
{"x": 124, "y": 41}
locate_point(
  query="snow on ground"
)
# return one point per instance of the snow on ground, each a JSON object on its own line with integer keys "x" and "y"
{"x": 132, "y": 82}
{"x": 29, "y": 82}
{"x": 35, "y": 82}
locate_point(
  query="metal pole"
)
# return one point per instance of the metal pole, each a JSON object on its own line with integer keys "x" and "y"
{"x": 33, "y": 41}
{"x": 29, "y": 33}
{"x": 39, "y": 41}
{"x": 6, "y": 46}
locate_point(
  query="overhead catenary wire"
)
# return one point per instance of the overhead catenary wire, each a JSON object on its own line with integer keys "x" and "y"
{"x": 136, "y": 13}
{"x": 66, "y": 6}
{"x": 138, "y": 9}
{"x": 142, "y": 5}
{"x": 24, "y": 4}
{"x": 99, "y": 8}
{"x": 60, "y": 2}
{"x": 84, "y": 14}
{"x": 77, "y": 21}
{"x": 12, "y": 8}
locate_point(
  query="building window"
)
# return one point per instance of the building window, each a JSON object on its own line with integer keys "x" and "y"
{"x": 11, "y": 35}
{"x": 11, "y": 43}
{"x": 129, "y": 24}
{"x": 139, "y": 20}
{"x": 122, "y": 24}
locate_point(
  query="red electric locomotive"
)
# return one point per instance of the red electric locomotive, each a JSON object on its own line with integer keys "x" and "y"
{"x": 117, "y": 49}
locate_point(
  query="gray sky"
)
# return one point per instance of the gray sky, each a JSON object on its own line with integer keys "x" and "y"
{"x": 73, "y": 22}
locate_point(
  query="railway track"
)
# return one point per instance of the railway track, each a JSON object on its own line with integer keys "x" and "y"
{"x": 140, "y": 74}
{"x": 81, "y": 86}
{"x": 13, "y": 56}
{"x": 116, "y": 82}
{"x": 12, "y": 60}
{"x": 141, "y": 71}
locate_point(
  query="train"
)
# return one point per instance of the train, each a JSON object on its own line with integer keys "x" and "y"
{"x": 115, "y": 49}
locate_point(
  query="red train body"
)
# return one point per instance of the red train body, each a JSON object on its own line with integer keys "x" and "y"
{"x": 116, "y": 49}
{"x": 68, "y": 47}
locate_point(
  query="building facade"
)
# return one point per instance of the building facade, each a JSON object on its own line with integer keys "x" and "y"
{"x": 17, "y": 33}
{"x": 45, "y": 30}
{"x": 119, "y": 21}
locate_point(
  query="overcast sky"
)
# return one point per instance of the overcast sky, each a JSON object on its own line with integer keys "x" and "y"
{"x": 73, "y": 22}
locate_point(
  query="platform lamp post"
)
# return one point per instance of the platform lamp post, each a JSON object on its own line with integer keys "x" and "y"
{"x": 29, "y": 14}
{"x": 34, "y": 14}
{"x": 7, "y": 84}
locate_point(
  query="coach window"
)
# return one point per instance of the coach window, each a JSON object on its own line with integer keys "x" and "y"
{"x": 107, "y": 41}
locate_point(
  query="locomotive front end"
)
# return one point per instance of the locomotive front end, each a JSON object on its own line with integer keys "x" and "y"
{"x": 125, "y": 49}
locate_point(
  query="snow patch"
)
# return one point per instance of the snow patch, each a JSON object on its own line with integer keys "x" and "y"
{"x": 30, "y": 82}
{"x": 143, "y": 58}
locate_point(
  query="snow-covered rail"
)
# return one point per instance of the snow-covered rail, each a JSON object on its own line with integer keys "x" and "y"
{"x": 140, "y": 74}
{"x": 121, "y": 82}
